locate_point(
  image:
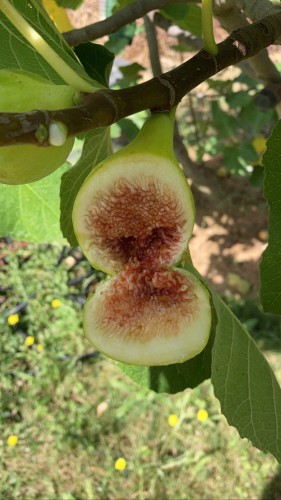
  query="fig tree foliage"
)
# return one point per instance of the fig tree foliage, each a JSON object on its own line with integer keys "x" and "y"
{"x": 132, "y": 212}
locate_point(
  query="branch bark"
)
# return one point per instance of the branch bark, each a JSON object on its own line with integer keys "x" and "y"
{"x": 162, "y": 93}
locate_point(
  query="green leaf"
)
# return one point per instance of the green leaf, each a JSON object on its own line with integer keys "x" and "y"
{"x": 120, "y": 4}
{"x": 121, "y": 38}
{"x": 226, "y": 124}
{"x": 18, "y": 53}
{"x": 271, "y": 262}
{"x": 239, "y": 99}
{"x": 251, "y": 115}
{"x": 69, "y": 4}
{"x": 245, "y": 384}
{"x": 131, "y": 75}
{"x": 97, "y": 61}
{"x": 187, "y": 17}
{"x": 30, "y": 212}
{"x": 128, "y": 129}
{"x": 97, "y": 146}
{"x": 237, "y": 158}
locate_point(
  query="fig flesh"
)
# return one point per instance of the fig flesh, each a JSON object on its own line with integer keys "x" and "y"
{"x": 20, "y": 92}
{"x": 149, "y": 317}
{"x": 133, "y": 218}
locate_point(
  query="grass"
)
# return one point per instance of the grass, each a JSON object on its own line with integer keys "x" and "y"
{"x": 75, "y": 413}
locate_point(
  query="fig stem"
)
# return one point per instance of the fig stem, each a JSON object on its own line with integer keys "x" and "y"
{"x": 160, "y": 126}
{"x": 43, "y": 48}
{"x": 207, "y": 27}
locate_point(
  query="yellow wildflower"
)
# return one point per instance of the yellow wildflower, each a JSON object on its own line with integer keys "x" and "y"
{"x": 13, "y": 319}
{"x": 173, "y": 420}
{"x": 55, "y": 303}
{"x": 40, "y": 347}
{"x": 12, "y": 440}
{"x": 120, "y": 464}
{"x": 202, "y": 415}
{"x": 29, "y": 341}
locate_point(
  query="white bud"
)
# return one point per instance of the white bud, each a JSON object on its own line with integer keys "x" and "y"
{"x": 57, "y": 133}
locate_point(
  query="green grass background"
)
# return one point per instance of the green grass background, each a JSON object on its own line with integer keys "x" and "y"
{"x": 75, "y": 413}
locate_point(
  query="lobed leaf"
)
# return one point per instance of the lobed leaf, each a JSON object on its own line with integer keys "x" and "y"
{"x": 186, "y": 16}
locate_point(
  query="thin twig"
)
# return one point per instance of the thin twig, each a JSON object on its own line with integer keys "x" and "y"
{"x": 127, "y": 14}
{"x": 152, "y": 42}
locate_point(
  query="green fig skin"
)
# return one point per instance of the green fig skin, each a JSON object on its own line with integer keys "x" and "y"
{"x": 133, "y": 218}
{"x": 22, "y": 92}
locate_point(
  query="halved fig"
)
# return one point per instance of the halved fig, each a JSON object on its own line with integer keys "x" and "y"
{"x": 149, "y": 317}
{"x": 133, "y": 218}
{"x": 136, "y": 205}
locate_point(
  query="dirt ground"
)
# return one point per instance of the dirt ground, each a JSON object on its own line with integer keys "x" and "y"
{"x": 226, "y": 244}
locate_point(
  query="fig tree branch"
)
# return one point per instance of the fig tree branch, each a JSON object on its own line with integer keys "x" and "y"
{"x": 162, "y": 93}
{"x": 127, "y": 14}
{"x": 231, "y": 15}
{"x": 233, "y": 18}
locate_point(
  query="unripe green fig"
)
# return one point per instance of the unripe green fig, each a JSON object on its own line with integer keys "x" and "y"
{"x": 133, "y": 218}
{"x": 22, "y": 92}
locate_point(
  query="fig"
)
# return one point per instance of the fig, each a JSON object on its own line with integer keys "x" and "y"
{"x": 149, "y": 316}
{"x": 133, "y": 218}
{"x": 20, "y": 92}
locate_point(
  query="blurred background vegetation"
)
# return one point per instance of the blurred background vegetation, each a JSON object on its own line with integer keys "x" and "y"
{"x": 72, "y": 425}
{"x": 68, "y": 414}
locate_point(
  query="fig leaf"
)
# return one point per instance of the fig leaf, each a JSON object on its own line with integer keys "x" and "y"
{"x": 97, "y": 61}
{"x": 245, "y": 384}
{"x": 18, "y": 53}
{"x": 270, "y": 266}
{"x": 20, "y": 206}
{"x": 97, "y": 146}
